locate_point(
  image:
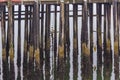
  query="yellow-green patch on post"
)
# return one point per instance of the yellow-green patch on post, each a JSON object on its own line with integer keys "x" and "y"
{"x": 85, "y": 49}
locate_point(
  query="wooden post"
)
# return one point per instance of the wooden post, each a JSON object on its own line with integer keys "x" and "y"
{"x": 55, "y": 41}
{"x": 47, "y": 42}
{"x": 67, "y": 42}
{"x": 61, "y": 47}
{"x": 4, "y": 57}
{"x": 36, "y": 40}
{"x": 91, "y": 34}
{"x": 119, "y": 32}
{"x": 42, "y": 39}
{"x": 107, "y": 42}
{"x": 75, "y": 42}
{"x": 9, "y": 47}
{"x": 116, "y": 38}
{"x": 86, "y": 63}
{"x": 25, "y": 62}
{"x": 19, "y": 42}
{"x": 31, "y": 43}
{"x": 99, "y": 41}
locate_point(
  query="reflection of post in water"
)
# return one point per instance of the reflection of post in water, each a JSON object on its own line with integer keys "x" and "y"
{"x": 60, "y": 67}
{"x": 9, "y": 46}
{"x": 86, "y": 63}
{"x": 75, "y": 41}
{"x": 47, "y": 42}
{"x": 67, "y": 42}
{"x": 25, "y": 63}
{"x": 99, "y": 41}
{"x": 19, "y": 42}
{"x": 116, "y": 38}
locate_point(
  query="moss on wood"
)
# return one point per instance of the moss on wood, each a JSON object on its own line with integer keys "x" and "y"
{"x": 31, "y": 52}
{"x": 4, "y": 53}
{"x": 61, "y": 51}
{"x": 85, "y": 49}
{"x": 37, "y": 56}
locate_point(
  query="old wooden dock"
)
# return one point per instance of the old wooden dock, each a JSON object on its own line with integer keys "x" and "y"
{"x": 97, "y": 19}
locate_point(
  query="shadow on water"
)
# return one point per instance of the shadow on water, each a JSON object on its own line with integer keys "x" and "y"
{"x": 59, "y": 42}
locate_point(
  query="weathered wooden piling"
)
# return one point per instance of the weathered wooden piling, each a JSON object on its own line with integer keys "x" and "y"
{"x": 91, "y": 33}
{"x": 31, "y": 43}
{"x": 4, "y": 57}
{"x": 75, "y": 41}
{"x": 36, "y": 40}
{"x": 99, "y": 41}
{"x": 19, "y": 43}
{"x": 67, "y": 42}
{"x": 42, "y": 38}
{"x": 55, "y": 41}
{"x": 47, "y": 42}
{"x": 61, "y": 46}
{"x": 86, "y": 65}
{"x": 116, "y": 38}
{"x": 119, "y": 35}
{"x": 9, "y": 46}
{"x": 107, "y": 42}
{"x": 25, "y": 57}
